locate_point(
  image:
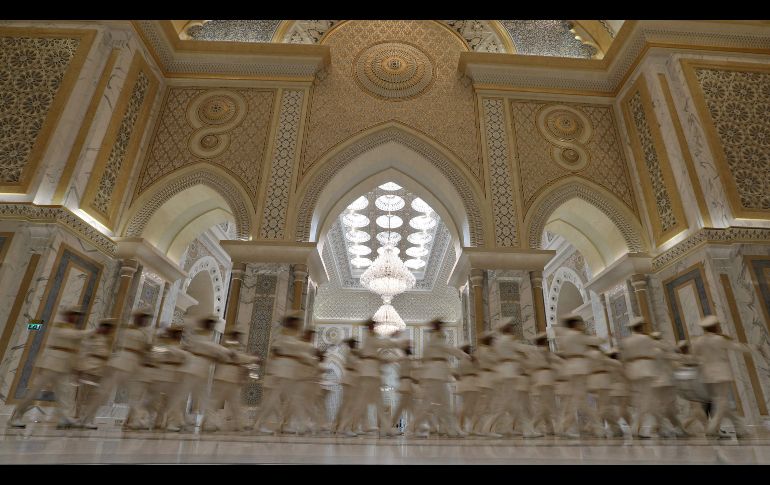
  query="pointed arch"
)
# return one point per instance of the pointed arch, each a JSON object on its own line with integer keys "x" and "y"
{"x": 420, "y": 148}
{"x": 143, "y": 208}
{"x": 548, "y": 201}
{"x": 561, "y": 276}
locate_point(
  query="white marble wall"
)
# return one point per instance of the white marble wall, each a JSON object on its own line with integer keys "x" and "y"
{"x": 45, "y": 239}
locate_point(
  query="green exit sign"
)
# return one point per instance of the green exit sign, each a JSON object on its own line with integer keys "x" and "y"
{"x": 35, "y": 325}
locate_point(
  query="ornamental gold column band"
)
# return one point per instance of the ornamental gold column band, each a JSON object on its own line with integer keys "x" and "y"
{"x": 234, "y": 296}
{"x": 127, "y": 272}
{"x": 477, "y": 280}
{"x": 300, "y": 277}
{"x": 639, "y": 282}
{"x": 536, "y": 278}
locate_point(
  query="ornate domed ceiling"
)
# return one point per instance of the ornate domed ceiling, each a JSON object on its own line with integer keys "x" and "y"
{"x": 559, "y": 38}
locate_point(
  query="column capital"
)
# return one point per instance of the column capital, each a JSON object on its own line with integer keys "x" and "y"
{"x": 477, "y": 277}
{"x": 639, "y": 281}
{"x": 236, "y": 273}
{"x": 300, "y": 272}
{"x": 536, "y": 278}
{"x": 128, "y": 267}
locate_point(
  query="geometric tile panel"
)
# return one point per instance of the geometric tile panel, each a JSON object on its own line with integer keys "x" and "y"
{"x": 277, "y": 192}
{"x": 500, "y": 173}
{"x": 31, "y": 72}
{"x": 739, "y": 106}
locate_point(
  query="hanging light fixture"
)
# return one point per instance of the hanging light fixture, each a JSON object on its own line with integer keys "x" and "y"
{"x": 388, "y": 276}
{"x": 388, "y": 320}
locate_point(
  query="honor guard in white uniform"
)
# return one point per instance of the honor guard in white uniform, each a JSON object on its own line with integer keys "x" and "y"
{"x": 325, "y": 386}
{"x": 695, "y": 408}
{"x": 640, "y": 353}
{"x": 540, "y": 366}
{"x": 620, "y": 393}
{"x": 512, "y": 396}
{"x": 467, "y": 389}
{"x": 434, "y": 378}
{"x": 123, "y": 367}
{"x": 54, "y": 369}
{"x": 599, "y": 384}
{"x": 345, "y": 422}
{"x": 169, "y": 357}
{"x": 289, "y": 358}
{"x": 230, "y": 374}
{"x": 406, "y": 391}
{"x": 370, "y": 379}
{"x": 573, "y": 343}
{"x": 94, "y": 354}
{"x": 562, "y": 389}
{"x": 202, "y": 354}
{"x": 487, "y": 382}
{"x": 307, "y": 385}
{"x": 664, "y": 387}
{"x": 711, "y": 350}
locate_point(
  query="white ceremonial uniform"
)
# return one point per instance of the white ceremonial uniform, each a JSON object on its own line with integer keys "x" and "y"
{"x": 54, "y": 372}
{"x": 202, "y": 353}
{"x": 663, "y": 385}
{"x": 121, "y": 372}
{"x": 166, "y": 385}
{"x": 370, "y": 379}
{"x": 434, "y": 378}
{"x": 94, "y": 353}
{"x": 711, "y": 350}
{"x": 695, "y": 409}
{"x": 406, "y": 392}
{"x": 512, "y": 394}
{"x": 640, "y": 353}
{"x": 574, "y": 345}
{"x": 486, "y": 382}
{"x": 229, "y": 377}
{"x": 620, "y": 391}
{"x": 540, "y": 366}
{"x": 345, "y": 415}
{"x": 286, "y": 366}
{"x": 599, "y": 383}
{"x": 468, "y": 391}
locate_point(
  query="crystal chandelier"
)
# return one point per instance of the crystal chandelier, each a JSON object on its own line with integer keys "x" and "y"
{"x": 388, "y": 320}
{"x": 387, "y": 276}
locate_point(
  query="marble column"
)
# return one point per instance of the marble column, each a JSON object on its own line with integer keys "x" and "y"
{"x": 127, "y": 271}
{"x": 300, "y": 275}
{"x": 536, "y": 279}
{"x": 477, "y": 283}
{"x": 639, "y": 282}
{"x": 234, "y": 295}
{"x": 605, "y": 307}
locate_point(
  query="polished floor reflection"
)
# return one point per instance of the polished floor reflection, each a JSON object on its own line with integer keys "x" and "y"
{"x": 43, "y": 443}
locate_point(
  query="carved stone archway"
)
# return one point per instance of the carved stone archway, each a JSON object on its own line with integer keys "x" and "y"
{"x": 550, "y": 201}
{"x": 335, "y": 164}
{"x": 223, "y": 187}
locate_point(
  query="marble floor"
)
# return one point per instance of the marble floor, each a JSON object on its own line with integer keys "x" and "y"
{"x": 42, "y": 443}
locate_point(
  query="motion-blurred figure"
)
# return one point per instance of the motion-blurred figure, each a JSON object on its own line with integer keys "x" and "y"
{"x": 620, "y": 392}
{"x": 694, "y": 389}
{"x": 202, "y": 353}
{"x": 664, "y": 387}
{"x": 712, "y": 349}
{"x": 540, "y": 366}
{"x": 349, "y": 396}
{"x": 406, "y": 391}
{"x": 370, "y": 380}
{"x": 599, "y": 384}
{"x": 169, "y": 358}
{"x": 230, "y": 374}
{"x": 487, "y": 382}
{"x": 53, "y": 372}
{"x": 123, "y": 367}
{"x": 574, "y": 344}
{"x": 94, "y": 354}
{"x": 434, "y": 379}
{"x": 467, "y": 389}
{"x": 640, "y": 353}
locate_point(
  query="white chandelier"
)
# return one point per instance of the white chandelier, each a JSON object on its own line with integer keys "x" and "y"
{"x": 387, "y": 276}
{"x": 388, "y": 320}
